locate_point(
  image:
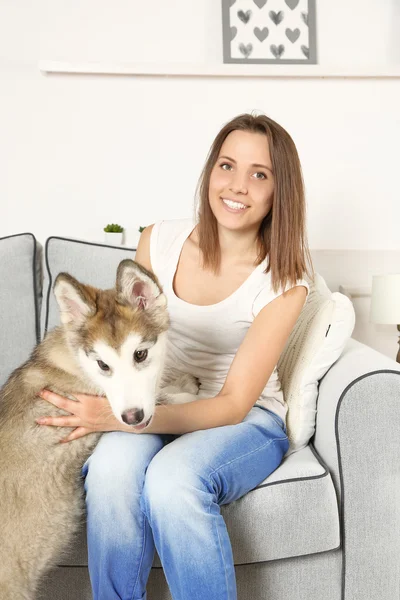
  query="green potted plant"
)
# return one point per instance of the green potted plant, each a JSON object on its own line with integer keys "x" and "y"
{"x": 113, "y": 234}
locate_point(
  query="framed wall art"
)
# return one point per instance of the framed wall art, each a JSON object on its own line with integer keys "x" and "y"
{"x": 269, "y": 31}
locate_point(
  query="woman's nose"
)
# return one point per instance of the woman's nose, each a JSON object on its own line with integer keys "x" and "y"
{"x": 238, "y": 186}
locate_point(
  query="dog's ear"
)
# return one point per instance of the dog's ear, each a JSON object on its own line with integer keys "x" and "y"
{"x": 138, "y": 287}
{"x": 74, "y": 300}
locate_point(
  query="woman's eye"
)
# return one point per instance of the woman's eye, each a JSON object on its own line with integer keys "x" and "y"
{"x": 103, "y": 365}
{"x": 140, "y": 355}
{"x": 263, "y": 176}
{"x": 225, "y": 165}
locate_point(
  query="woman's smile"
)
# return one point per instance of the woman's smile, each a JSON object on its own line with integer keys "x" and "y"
{"x": 233, "y": 206}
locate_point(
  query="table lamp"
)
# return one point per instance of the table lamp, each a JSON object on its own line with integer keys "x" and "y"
{"x": 385, "y": 301}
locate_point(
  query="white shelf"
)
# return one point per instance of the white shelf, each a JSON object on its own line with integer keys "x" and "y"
{"x": 218, "y": 70}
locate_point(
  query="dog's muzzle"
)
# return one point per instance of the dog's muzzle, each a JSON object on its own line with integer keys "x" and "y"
{"x": 134, "y": 416}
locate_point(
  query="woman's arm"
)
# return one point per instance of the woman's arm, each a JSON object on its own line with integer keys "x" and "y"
{"x": 89, "y": 414}
{"x": 261, "y": 348}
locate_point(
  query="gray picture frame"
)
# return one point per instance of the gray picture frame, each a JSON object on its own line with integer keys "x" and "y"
{"x": 241, "y": 37}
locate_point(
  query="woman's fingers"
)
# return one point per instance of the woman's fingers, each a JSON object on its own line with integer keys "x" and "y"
{"x": 69, "y": 421}
{"x": 59, "y": 401}
{"x": 87, "y": 414}
{"x": 76, "y": 434}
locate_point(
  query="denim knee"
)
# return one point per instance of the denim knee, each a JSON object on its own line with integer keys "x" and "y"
{"x": 171, "y": 486}
{"x": 117, "y": 466}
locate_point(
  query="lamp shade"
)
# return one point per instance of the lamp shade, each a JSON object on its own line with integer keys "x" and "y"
{"x": 385, "y": 299}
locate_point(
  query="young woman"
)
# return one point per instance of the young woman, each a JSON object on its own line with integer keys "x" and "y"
{"x": 234, "y": 282}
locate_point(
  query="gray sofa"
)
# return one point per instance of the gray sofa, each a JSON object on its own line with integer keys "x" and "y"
{"x": 324, "y": 526}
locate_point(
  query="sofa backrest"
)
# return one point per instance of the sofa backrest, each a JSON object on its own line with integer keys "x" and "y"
{"x": 90, "y": 263}
{"x": 20, "y": 296}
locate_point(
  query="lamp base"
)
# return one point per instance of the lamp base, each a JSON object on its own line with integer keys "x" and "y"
{"x": 398, "y": 354}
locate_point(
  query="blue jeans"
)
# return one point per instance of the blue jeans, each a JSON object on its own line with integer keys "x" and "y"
{"x": 147, "y": 491}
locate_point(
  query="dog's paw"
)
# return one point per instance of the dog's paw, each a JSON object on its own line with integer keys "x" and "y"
{"x": 162, "y": 398}
{"x": 183, "y": 383}
{"x": 181, "y": 398}
{"x": 187, "y": 383}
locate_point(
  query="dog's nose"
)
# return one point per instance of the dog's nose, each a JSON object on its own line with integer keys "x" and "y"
{"x": 133, "y": 416}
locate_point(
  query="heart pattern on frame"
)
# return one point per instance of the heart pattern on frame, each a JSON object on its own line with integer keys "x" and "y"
{"x": 292, "y": 34}
{"x": 244, "y": 16}
{"x": 277, "y": 51}
{"x": 261, "y": 34}
{"x": 276, "y": 17}
{"x": 305, "y": 51}
{"x": 269, "y": 31}
{"x": 246, "y": 50}
{"x": 292, "y": 3}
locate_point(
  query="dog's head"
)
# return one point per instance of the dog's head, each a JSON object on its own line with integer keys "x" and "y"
{"x": 118, "y": 337}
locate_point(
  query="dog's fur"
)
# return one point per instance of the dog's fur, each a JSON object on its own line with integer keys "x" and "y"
{"x": 41, "y": 491}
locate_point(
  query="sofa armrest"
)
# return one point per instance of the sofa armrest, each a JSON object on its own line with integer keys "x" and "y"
{"x": 20, "y": 297}
{"x": 343, "y": 381}
{"x": 357, "y": 436}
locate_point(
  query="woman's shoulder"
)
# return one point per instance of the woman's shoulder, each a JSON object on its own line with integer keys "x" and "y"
{"x": 166, "y": 228}
{"x": 167, "y": 232}
{"x": 158, "y": 239}
{"x": 264, "y": 293}
{"x": 171, "y": 226}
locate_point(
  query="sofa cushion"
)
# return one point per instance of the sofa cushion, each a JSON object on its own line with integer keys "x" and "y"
{"x": 20, "y": 294}
{"x": 293, "y": 512}
{"x": 322, "y": 330}
{"x": 91, "y": 263}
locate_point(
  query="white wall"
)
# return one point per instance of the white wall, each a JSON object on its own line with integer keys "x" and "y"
{"x": 77, "y": 152}
{"x": 80, "y": 151}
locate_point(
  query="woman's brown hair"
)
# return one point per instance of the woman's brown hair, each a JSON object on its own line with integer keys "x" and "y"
{"x": 282, "y": 236}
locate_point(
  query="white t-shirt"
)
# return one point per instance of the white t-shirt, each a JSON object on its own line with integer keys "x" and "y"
{"x": 203, "y": 340}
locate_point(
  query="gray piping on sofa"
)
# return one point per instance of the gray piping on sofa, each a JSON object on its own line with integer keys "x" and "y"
{"x": 346, "y": 391}
{"x": 34, "y": 277}
{"x": 324, "y": 474}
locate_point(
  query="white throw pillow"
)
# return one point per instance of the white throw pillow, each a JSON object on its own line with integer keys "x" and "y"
{"x": 325, "y": 324}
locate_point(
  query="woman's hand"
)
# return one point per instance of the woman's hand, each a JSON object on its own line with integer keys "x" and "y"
{"x": 88, "y": 414}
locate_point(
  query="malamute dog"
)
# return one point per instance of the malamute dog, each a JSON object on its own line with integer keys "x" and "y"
{"x": 110, "y": 343}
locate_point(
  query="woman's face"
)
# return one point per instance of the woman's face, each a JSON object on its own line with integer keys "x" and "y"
{"x": 241, "y": 183}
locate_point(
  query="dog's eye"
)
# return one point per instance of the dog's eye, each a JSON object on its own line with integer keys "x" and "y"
{"x": 103, "y": 365}
{"x": 140, "y": 355}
